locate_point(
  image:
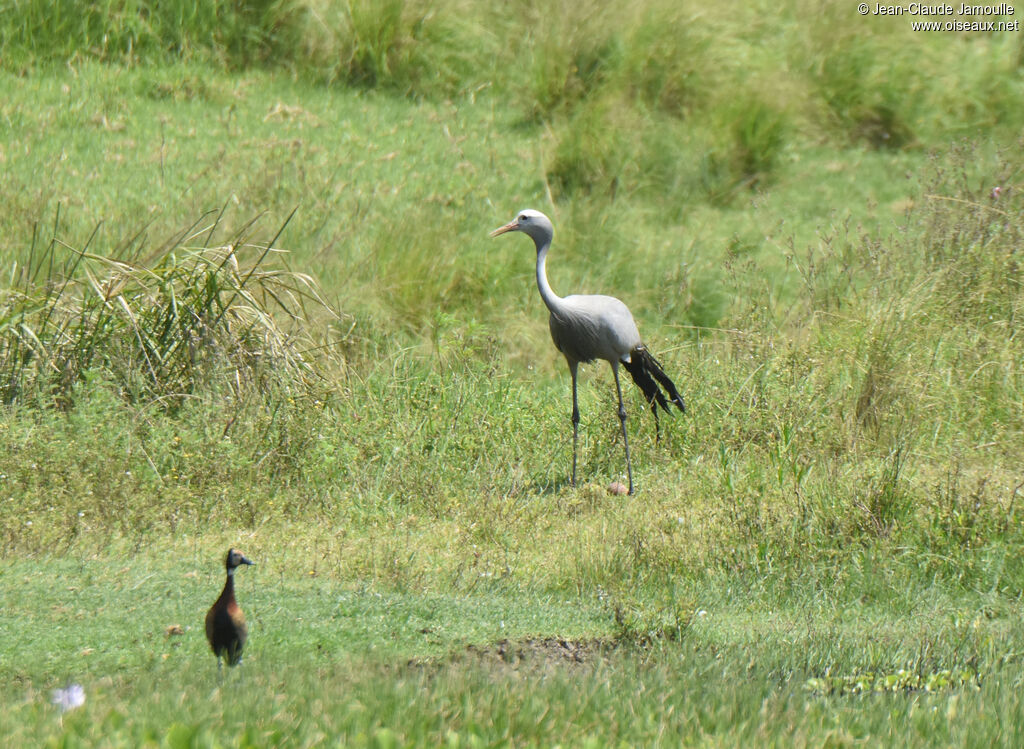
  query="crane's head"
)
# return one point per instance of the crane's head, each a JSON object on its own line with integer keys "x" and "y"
{"x": 534, "y": 223}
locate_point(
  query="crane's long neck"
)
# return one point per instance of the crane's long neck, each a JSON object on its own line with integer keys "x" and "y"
{"x": 551, "y": 299}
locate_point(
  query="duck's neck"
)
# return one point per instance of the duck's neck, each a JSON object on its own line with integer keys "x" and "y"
{"x": 229, "y": 584}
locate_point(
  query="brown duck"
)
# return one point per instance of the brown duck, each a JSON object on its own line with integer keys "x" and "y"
{"x": 225, "y": 623}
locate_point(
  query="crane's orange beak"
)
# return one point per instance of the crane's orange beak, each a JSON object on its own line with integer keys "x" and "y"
{"x": 511, "y": 226}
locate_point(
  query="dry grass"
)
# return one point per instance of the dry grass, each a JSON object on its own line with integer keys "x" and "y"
{"x": 200, "y": 312}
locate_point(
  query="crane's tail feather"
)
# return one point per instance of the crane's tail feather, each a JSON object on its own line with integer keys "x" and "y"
{"x": 659, "y": 374}
{"x": 648, "y": 374}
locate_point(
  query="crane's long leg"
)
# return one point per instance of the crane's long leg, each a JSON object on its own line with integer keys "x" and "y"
{"x": 622, "y": 421}
{"x": 573, "y": 366}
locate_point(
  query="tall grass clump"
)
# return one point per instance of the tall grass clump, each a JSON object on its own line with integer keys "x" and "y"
{"x": 607, "y": 148}
{"x": 593, "y": 152}
{"x": 744, "y": 153}
{"x": 402, "y": 46}
{"x": 674, "y": 59}
{"x": 572, "y": 50}
{"x": 886, "y": 394}
{"x": 971, "y": 237}
{"x": 824, "y": 73}
{"x": 947, "y": 299}
{"x": 664, "y": 106}
{"x": 868, "y": 100}
{"x": 895, "y": 88}
{"x": 234, "y": 34}
{"x": 203, "y": 311}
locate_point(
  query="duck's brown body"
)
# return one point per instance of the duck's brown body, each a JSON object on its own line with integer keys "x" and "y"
{"x": 226, "y": 629}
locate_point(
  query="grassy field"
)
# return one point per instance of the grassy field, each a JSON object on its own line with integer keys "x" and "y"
{"x": 248, "y": 299}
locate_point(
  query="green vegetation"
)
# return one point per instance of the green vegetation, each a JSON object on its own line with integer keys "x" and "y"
{"x": 248, "y": 299}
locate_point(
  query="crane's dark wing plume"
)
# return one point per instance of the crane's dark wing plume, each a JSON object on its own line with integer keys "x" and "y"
{"x": 647, "y": 374}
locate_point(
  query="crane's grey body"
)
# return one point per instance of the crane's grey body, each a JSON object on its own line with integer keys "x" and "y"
{"x": 594, "y": 326}
{"x": 585, "y": 327}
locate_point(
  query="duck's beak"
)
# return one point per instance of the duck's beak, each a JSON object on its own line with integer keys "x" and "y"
{"x": 511, "y": 226}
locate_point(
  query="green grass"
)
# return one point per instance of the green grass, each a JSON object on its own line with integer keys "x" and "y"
{"x": 329, "y": 660}
{"x": 795, "y": 203}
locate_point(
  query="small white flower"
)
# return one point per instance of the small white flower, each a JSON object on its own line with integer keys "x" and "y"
{"x": 68, "y": 698}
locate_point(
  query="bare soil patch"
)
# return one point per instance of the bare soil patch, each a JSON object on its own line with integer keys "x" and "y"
{"x": 529, "y": 655}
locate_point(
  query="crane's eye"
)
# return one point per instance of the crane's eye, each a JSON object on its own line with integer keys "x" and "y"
{"x": 524, "y": 217}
